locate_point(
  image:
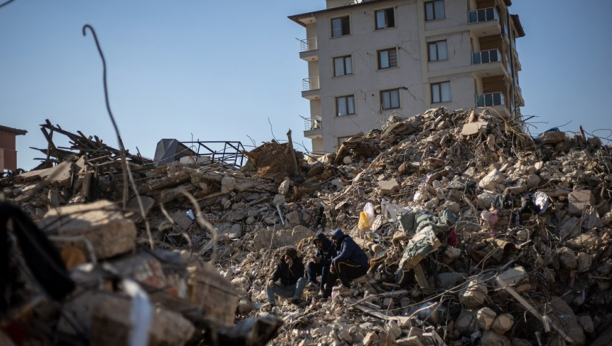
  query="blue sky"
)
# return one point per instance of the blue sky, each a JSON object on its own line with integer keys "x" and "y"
{"x": 231, "y": 71}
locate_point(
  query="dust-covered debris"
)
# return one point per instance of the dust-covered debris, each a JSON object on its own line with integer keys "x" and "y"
{"x": 480, "y": 235}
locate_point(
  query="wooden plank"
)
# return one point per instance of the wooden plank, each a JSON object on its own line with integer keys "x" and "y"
{"x": 421, "y": 278}
{"x": 545, "y": 319}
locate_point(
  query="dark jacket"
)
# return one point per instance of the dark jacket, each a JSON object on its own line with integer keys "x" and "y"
{"x": 349, "y": 251}
{"x": 289, "y": 276}
{"x": 328, "y": 251}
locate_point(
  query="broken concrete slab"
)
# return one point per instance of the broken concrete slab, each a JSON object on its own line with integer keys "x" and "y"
{"x": 228, "y": 184}
{"x": 471, "y": 129}
{"x": 502, "y": 323}
{"x": 388, "y": 186}
{"x": 514, "y": 275}
{"x": 485, "y": 317}
{"x": 60, "y": 175}
{"x": 166, "y": 327}
{"x": 147, "y": 205}
{"x": 491, "y": 180}
{"x": 101, "y": 223}
{"x": 214, "y": 293}
{"x": 579, "y": 200}
{"x": 490, "y": 338}
{"x": 474, "y": 295}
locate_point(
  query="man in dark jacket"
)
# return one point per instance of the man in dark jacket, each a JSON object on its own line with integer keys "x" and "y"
{"x": 320, "y": 262}
{"x": 290, "y": 271}
{"x": 350, "y": 263}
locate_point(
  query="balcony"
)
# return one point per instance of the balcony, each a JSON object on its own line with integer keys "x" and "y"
{"x": 313, "y": 127}
{"x": 313, "y": 123}
{"x": 490, "y": 100}
{"x": 488, "y": 63}
{"x": 484, "y": 22}
{"x": 494, "y": 101}
{"x": 311, "y": 88}
{"x": 486, "y": 56}
{"x": 309, "y": 49}
{"x": 482, "y": 15}
{"x": 519, "y": 95}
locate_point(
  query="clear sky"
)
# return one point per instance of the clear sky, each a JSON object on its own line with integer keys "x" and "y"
{"x": 226, "y": 70}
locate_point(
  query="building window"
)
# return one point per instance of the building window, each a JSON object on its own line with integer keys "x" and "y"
{"x": 343, "y": 65}
{"x": 438, "y": 51}
{"x": 387, "y": 58}
{"x": 340, "y": 26}
{"x": 385, "y": 19}
{"x": 440, "y": 92}
{"x": 345, "y": 105}
{"x": 342, "y": 139}
{"x": 434, "y": 10}
{"x": 390, "y": 99}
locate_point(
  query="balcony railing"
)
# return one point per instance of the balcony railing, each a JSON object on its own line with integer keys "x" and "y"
{"x": 313, "y": 123}
{"x": 486, "y": 56}
{"x": 308, "y": 44}
{"x": 490, "y": 99}
{"x": 482, "y": 15}
{"x": 311, "y": 83}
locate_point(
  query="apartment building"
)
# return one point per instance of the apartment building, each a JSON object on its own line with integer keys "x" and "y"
{"x": 368, "y": 60}
{"x": 8, "y": 152}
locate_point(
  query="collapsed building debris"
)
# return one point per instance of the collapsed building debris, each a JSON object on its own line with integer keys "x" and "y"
{"x": 478, "y": 234}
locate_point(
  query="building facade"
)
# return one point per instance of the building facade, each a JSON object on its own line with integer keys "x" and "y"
{"x": 368, "y": 60}
{"x": 8, "y": 152}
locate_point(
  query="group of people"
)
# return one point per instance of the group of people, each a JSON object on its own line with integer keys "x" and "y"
{"x": 338, "y": 258}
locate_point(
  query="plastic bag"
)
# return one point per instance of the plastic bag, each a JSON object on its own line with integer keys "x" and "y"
{"x": 364, "y": 222}
{"x": 368, "y": 208}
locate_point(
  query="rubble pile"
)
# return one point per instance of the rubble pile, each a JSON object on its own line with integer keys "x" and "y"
{"x": 481, "y": 235}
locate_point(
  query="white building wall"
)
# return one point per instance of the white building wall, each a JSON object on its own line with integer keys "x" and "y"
{"x": 367, "y": 80}
{"x": 413, "y": 75}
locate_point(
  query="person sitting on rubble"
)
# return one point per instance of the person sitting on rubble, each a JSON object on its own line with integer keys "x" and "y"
{"x": 290, "y": 271}
{"x": 349, "y": 264}
{"x": 320, "y": 262}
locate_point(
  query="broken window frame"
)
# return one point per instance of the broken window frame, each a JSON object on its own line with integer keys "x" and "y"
{"x": 387, "y": 58}
{"x": 390, "y": 99}
{"x": 436, "y": 48}
{"x": 345, "y": 105}
{"x": 346, "y": 65}
{"x": 438, "y": 92}
{"x": 384, "y": 18}
{"x": 434, "y": 10}
{"x": 340, "y": 26}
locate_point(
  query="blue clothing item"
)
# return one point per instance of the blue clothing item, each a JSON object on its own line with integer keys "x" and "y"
{"x": 286, "y": 291}
{"x": 338, "y": 234}
{"x": 316, "y": 269}
{"x": 351, "y": 252}
{"x": 326, "y": 252}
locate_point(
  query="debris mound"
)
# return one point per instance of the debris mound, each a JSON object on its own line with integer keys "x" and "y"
{"x": 477, "y": 234}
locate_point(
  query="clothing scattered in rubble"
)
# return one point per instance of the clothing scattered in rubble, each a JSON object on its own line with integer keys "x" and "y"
{"x": 481, "y": 235}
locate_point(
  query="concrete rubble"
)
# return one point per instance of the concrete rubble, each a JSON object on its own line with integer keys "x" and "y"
{"x": 482, "y": 235}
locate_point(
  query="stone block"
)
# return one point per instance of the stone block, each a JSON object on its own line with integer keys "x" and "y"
{"x": 490, "y": 338}
{"x": 102, "y": 223}
{"x": 502, "y": 323}
{"x": 111, "y": 325}
{"x": 228, "y": 184}
{"x": 474, "y": 295}
{"x": 514, "y": 275}
{"x": 579, "y": 200}
{"x": 491, "y": 180}
{"x": 485, "y": 318}
{"x": 587, "y": 323}
{"x": 388, "y": 186}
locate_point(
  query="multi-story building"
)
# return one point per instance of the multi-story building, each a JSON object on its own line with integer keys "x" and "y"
{"x": 368, "y": 60}
{"x": 8, "y": 152}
